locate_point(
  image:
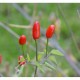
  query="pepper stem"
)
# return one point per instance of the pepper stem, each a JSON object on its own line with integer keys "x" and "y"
{"x": 47, "y": 47}
{"x": 36, "y": 58}
{"x": 23, "y": 50}
{"x": 36, "y": 51}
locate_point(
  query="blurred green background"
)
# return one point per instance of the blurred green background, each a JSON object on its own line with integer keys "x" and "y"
{"x": 46, "y": 14}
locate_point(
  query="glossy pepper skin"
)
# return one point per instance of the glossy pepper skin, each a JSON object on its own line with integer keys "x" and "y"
{"x": 22, "y": 40}
{"x": 36, "y": 30}
{"x": 0, "y": 59}
{"x": 21, "y": 60}
{"x": 50, "y": 31}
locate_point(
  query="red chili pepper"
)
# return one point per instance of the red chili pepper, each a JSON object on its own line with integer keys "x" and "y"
{"x": 36, "y": 30}
{"x": 0, "y": 59}
{"x": 21, "y": 60}
{"x": 22, "y": 40}
{"x": 50, "y": 31}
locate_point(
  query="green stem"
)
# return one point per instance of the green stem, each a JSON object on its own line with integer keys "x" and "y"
{"x": 23, "y": 50}
{"x": 35, "y": 71}
{"x": 36, "y": 51}
{"x": 36, "y": 58}
{"x": 47, "y": 47}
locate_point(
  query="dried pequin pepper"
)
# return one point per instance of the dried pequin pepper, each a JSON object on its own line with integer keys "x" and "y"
{"x": 50, "y": 31}
{"x": 22, "y": 40}
{"x": 36, "y": 30}
{"x": 21, "y": 60}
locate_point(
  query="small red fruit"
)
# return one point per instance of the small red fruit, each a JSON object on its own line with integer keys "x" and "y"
{"x": 36, "y": 30}
{"x": 21, "y": 60}
{"x": 22, "y": 63}
{"x": 0, "y": 59}
{"x": 50, "y": 31}
{"x": 22, "y": 40}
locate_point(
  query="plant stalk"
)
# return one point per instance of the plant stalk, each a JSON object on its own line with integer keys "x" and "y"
{"x": 47, "y": 47}
{"x": 23, "y": 51}
{"x": 36, "y": 58}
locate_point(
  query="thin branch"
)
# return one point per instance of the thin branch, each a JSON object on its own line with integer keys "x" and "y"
{"x": 20, "y": 26}
{"x": 35, "y": 74}
{"x": 27, "y": 17}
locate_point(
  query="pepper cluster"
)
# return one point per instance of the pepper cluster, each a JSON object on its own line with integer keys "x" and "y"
{"x": 36, "y": 35}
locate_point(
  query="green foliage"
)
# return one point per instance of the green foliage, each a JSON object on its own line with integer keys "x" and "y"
{"x": 28, "y": 57}
{"x": 22, "y": 59}
{"x": 40, "y": 55}
{"x": 49, "y": 65}
{"x": 56, "y": 52}
{"x": 53, "y": 59}
{"x": 40, "y": 67}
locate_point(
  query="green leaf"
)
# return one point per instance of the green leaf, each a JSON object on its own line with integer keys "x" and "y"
{"x": 49, "y": 65}
{"x": 41, "y": 70}
{"x": 28, "y": 57}
{"x": 40, "y": 55}
{"x": 22, "y": 59}
{"x": 39, "y": 66}
{"x": 56, "y": 52}
{"x": 52, "y": 58}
